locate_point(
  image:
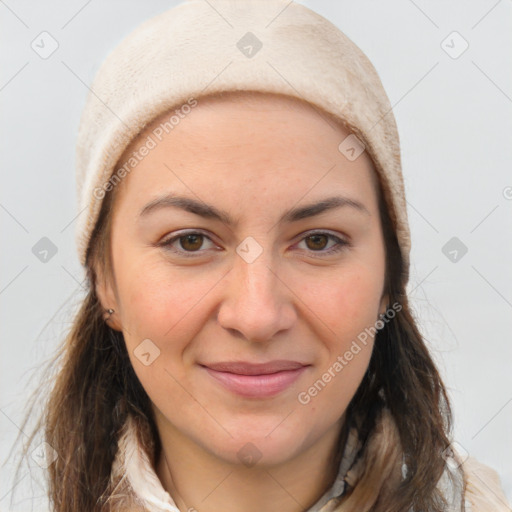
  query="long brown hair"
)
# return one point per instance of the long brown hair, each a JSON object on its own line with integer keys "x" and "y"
{"x": 96, "y": 390}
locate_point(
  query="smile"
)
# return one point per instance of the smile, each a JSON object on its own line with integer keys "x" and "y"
{"x": 256, "y": 381}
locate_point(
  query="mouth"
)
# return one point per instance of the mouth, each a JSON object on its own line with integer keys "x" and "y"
{"x": 256, "y": 380}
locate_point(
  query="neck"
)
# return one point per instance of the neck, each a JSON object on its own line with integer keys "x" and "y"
{"x": 198, "y": 480}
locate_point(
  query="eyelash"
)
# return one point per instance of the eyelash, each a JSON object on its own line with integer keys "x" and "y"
{"x": 341, "y": 244}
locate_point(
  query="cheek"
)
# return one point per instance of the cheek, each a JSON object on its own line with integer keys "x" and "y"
{"x": 349, "y": 306}
{"x": 346, "y": 301}
{"x": 166, "y": 307}
{"x": 162, "y": 304}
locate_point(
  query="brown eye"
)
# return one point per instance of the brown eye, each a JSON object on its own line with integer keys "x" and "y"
{"x": 318, "y": 241}
{"x": 188, "y": 244}
{"x": 191, "y": 242}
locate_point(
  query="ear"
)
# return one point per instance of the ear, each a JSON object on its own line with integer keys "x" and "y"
{"x": 105, "y": 290}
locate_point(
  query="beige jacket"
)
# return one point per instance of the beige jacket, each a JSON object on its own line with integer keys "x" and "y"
{"x": 483, "y": 490}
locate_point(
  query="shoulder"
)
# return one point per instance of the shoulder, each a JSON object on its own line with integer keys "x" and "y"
{"x": 483, "y": 488}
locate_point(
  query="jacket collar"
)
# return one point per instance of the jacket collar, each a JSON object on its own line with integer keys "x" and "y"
{"x": 133, "y": 467}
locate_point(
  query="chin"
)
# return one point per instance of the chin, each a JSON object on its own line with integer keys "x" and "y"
{"x": 261, "y": 453}
{"x": 256, "y": 444}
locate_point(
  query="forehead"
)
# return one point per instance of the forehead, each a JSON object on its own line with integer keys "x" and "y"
{"x": 246, "y": 137}
{"x": 213, "y": 115}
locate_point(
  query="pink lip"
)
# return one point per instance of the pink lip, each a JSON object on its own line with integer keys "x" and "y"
{"x": 256, "y": 380}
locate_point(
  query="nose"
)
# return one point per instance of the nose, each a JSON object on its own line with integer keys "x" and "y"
{"x": 257, "y": 304}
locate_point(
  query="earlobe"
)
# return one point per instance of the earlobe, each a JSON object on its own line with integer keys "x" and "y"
{"x": 107, "y": 317}
{"x": 108, "y": 302}
{"x": 384, "y": 305}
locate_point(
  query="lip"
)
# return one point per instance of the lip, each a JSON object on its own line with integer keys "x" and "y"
{"x": 256, "y": 380}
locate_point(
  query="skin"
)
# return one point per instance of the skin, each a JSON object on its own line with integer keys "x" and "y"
{"x": 255, "y": 160}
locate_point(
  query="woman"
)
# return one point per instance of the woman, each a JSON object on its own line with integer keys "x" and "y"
{"x": 246, "y": 342}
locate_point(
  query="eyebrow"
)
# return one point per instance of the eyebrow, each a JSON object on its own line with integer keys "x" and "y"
{"x": 210, "y": 212}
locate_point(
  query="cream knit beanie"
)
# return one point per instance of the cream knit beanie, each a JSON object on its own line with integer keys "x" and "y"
{"x": 198, "y": 48}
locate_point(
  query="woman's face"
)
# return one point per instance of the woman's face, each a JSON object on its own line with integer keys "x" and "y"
{"x": 237, "y": 273}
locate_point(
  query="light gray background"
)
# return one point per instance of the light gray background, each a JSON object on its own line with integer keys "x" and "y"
{"x": 455, "y": 124}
